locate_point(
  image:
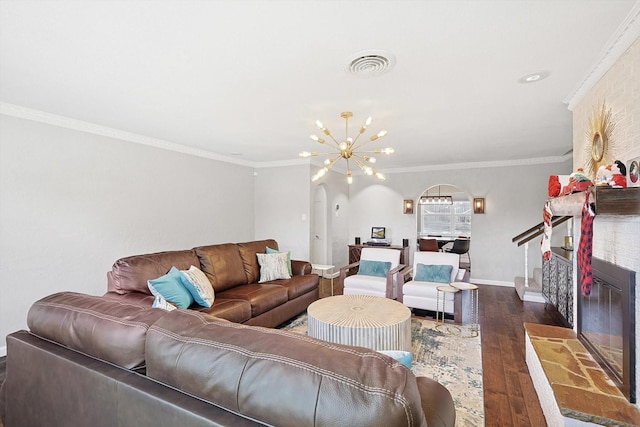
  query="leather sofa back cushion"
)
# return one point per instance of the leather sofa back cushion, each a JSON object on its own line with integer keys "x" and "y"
{"x": 248, "y": 251}
{"x": 223, "y": 265}
{"x": 281, "y": 378}
{"x": 107, "y": 329}
{"x": 130, "y": 274}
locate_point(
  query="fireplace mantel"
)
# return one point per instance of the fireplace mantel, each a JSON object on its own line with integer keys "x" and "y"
{"x": 607, "y": 200}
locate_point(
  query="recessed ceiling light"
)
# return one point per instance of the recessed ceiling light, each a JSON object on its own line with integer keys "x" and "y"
{"x": 534, "y": 77}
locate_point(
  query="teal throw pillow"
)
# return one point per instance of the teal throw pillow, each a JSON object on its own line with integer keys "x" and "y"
{"x": 374, "y": 268}
{"x": 404, "y": 357}
{"x": 273, "y": 251}
{"x": 170, "y": 288}
{"x": 433, "y": 273}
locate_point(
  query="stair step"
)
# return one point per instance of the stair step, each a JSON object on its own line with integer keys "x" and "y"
{"x": 531, "y": 293}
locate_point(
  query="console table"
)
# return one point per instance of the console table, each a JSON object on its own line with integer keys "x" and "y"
{"x": 355, "y": 251}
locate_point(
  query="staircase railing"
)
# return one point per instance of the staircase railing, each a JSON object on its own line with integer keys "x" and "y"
{"x": 526, "y": 236}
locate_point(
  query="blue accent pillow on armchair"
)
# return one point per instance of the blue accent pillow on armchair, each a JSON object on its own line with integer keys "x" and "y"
{"x": 433, "y": 273}
{"x": 374, "y": 268}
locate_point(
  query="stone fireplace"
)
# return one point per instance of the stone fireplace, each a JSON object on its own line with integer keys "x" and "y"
{"x": 606, "y": 323}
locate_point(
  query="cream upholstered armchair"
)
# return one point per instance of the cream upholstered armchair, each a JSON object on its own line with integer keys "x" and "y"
{"x": 378, "y": 273}
{"x": 430, "y": 270}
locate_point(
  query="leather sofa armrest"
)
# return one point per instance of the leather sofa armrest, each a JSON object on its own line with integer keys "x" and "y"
{"x": 300, "y": 268}
{"x": 437, "y": 403}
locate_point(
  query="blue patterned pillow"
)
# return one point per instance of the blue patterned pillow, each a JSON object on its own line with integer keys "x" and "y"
{"x": 433, "y": 273}
{"x": 170, "y": 288}
{"x": 374, "y": 268}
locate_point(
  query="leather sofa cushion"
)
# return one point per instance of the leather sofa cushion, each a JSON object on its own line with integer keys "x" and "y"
{"x": 281, "y": 378}
{"x": 248, "y": 251}
{"x": 223, "y": 265}
{"x": 233, "y": 310}
{"x": 107, "y": 329}
{"x": 130, "y": 274}
{"x": 298, "y": 285}
{"x": 262, "y": 296}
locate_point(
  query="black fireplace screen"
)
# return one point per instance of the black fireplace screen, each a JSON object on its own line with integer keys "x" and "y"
{"x": 606, "y": 323}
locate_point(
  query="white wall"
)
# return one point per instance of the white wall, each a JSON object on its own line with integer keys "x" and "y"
{"x": 283, "y": 206}
{"x": 514, "y": 198}
{"x": 71, "y": 203}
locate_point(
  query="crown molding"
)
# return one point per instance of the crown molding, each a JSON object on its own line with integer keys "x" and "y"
{"x": 82, "y": 126}
{"x": 626, "y": 34}
{"x": 483, "y": 165}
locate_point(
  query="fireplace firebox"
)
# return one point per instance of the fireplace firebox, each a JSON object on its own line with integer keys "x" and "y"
{"x": 606, "y": 323}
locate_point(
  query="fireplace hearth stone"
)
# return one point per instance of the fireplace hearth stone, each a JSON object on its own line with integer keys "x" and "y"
{"x": 563, "y": 370}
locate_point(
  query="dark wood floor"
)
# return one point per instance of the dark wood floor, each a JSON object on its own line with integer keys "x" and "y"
{"x": 509, "y": 396}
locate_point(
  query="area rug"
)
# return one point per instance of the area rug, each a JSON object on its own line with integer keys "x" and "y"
{"x": 453, "y": 361}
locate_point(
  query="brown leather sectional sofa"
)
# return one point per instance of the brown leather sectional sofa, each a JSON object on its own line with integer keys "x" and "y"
{"x": 114, "y": 361}
{"x": 233, "y": 270}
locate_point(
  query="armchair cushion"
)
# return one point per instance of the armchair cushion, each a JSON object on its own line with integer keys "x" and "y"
{"x": 374, "y": 268}
{"x": 433, "y": 273}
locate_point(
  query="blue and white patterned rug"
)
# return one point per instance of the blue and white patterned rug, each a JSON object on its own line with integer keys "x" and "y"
{"x": 453, "y": 361}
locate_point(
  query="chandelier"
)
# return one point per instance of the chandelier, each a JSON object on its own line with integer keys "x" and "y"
{"x": 436, "y": 200}
{"x": 349, "y": 150}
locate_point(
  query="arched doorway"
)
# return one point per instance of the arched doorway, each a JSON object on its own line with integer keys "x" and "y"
{"x": 444, "y": 213}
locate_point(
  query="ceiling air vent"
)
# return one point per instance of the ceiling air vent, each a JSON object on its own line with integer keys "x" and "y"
{"x": 370, "y": 63}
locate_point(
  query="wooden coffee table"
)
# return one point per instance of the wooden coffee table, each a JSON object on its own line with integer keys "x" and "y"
{"x": 362, "y": 320}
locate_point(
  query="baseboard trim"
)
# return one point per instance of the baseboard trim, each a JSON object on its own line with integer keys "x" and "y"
{"x": 492, "y": 282}
{"x": 3, "y": 351}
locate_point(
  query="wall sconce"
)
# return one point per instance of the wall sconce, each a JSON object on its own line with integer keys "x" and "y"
{"x": 407, "y": 206}
{"x": 478, "y": 205}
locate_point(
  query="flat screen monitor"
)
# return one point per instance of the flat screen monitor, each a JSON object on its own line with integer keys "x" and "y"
{"x": 378, "y": 233}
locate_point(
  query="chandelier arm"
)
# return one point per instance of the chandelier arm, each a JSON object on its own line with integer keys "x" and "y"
{"x": 333, "y": 139}
{"x": 366, "y": 141}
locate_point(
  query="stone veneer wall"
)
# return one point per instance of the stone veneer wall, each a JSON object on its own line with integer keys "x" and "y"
{"x": 616, "y": 238}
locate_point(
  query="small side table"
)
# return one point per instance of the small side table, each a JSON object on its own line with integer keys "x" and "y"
{"x": 440, "y": 323}
{"x": 471, "y": 306}
{"x": 323, "y": 270}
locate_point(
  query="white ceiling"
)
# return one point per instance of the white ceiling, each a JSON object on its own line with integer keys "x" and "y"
{"x": 248, "y": 79}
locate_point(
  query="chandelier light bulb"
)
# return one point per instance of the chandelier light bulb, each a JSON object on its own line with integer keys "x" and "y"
{"x": 349, "y": 149}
